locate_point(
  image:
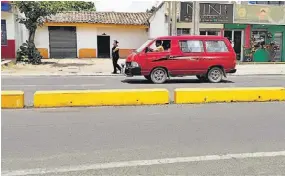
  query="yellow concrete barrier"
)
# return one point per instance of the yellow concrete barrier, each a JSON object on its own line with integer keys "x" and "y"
{"x": 44, "y": 99}
{"x": 12, "y": 99}
{"x": 212, "y": 95}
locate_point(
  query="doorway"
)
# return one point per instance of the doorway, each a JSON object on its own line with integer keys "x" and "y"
{"x": 236, "y": 37}
{"x": 103, "y": 46}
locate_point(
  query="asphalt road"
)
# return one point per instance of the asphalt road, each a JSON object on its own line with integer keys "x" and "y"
{"x": 73, "y": 141}
{"x": 31, "y": 84}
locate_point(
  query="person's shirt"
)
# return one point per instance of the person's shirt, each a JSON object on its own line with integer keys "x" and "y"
{"x": 159, "y": 49}
{"x": 115, "y": 52}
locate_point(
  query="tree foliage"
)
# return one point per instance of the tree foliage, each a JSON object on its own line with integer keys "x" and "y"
{"x": 151, "y": 10}
{"x": 36, "y": 13}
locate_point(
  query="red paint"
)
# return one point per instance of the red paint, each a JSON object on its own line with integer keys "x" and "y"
{"x": 247, "y": 36}
{"x": 180, "y": 63}
{"x": 8, "y": 51}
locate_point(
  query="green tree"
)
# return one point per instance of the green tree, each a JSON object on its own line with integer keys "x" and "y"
{"x": 151, "y": 10}
{"x": 36, "y": 13}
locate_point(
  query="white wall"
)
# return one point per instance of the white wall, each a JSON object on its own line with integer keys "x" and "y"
{"x": 42, "y": 38}
{"x": 10, "y": 24}
{"x": 86, "y": 37}
{"x": 129, "y": 38}
{"x": 158, "y": 23}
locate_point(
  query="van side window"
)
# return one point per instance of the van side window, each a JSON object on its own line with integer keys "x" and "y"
{"x": 191, "y": 46}
{"x": 216, "y": 46}
{"x": 160, "y": 46}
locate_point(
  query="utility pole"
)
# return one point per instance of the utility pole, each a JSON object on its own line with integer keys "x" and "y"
{"x": 169, "y": 17}
{"x": 174, "y": 18}
{"x": 196, "y": 18}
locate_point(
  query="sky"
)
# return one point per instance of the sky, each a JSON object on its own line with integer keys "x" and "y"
{"x": 125, "y": 5}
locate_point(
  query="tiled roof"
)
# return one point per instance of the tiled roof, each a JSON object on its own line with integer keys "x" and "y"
{"x": 125, "y": 18}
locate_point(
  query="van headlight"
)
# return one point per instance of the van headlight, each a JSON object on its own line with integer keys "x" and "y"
{"x": 134, "y": 64}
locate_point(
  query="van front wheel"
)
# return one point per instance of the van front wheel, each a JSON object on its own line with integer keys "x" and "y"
{"x": 147, "y": 77}
{"x": 158, "y": 75}
{"x": 215, "y": 75}
{"x": 202, "y": 78}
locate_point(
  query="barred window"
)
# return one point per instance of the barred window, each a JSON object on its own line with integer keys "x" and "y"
{"x": 3, "y": 33}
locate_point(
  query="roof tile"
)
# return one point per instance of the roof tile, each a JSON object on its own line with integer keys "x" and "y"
{"x": 126, "y": 18}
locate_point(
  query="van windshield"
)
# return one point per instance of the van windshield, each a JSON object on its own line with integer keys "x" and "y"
{"x": 140, "y": 49}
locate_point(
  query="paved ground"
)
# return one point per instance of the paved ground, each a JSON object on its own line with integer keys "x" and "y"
{"x": 74, "y": 141}
{"x": 32, "y": 84}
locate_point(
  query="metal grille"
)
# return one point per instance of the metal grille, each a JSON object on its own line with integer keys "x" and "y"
{"x": 62, "y": 42}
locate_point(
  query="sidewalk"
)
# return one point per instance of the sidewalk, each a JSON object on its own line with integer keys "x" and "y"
{"x": 103, "y": 67}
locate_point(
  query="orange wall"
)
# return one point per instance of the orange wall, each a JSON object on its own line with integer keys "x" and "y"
{"x": 87, "y": 53}
{"x": 125, "y": 52}
{"x": 44, "y": 52}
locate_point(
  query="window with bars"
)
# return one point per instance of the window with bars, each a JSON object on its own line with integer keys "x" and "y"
{"x": 3, "y": 32}
{"x": 183, "y": 31}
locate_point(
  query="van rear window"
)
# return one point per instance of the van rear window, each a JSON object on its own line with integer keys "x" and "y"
{"x": 216, "y": 46}
{"x": 188, "y": 46}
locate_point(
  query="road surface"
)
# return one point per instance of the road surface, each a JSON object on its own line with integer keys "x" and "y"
{"x": 31, "y": 84}
{"x": 145, "y": 140}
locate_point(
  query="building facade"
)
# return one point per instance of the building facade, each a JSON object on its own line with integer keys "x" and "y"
{"x": 12, "y": 33}
{"x": 260, "y": 30}
{"x": 256, "y": 28}
{"x": 91, "y": 34}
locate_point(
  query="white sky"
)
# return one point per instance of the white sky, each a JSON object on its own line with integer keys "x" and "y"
{"x": 125, "y": 5}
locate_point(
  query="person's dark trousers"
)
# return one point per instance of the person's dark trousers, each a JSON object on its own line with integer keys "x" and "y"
{"x": 116, "y": 65}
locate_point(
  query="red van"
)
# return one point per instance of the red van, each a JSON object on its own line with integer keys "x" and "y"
{"x": 207, "y": 57}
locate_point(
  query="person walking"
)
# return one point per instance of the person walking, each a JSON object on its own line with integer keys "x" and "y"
{"x": 115, "y": 57}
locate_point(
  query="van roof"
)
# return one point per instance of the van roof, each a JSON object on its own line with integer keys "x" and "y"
{"x": 198, "y": 37}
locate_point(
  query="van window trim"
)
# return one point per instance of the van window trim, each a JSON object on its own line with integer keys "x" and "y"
{"x": 154, "y": 40}
{"x": 205, "y": 40}
{"x": 201, "y": 40}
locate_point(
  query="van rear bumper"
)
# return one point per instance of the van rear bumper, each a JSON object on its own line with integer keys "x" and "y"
{"x": 232, "y": 71}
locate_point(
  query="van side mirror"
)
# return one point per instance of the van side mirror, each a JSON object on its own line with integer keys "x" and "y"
{"x": 146, "y": 50}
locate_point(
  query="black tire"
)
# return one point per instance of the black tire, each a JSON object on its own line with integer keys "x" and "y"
{"x": 147, "y": 77}
{"x": 202, "y": 78}
{"x": 215, "y": 75}
{"x": 158, "y": 75}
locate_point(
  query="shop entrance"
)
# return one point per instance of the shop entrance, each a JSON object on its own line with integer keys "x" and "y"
{"x": 236, "y": 37}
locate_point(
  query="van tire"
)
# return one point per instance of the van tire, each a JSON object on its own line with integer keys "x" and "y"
{"x": 215, "y": 75}
{"x": 158, "y": 75}
{"x": 202, "y": 78}
{"x": 147, "y": 77}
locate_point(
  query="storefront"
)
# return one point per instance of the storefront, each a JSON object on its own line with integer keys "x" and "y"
{"x": 258, "y": 33}
{"x": 7, "y": 31}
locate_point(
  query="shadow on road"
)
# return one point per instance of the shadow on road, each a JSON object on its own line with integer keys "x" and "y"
{"x": 170, "y": 81}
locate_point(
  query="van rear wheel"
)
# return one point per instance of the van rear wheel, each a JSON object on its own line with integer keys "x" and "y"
{"x": 215, "y": 75}
{"x": 158, "y": 75}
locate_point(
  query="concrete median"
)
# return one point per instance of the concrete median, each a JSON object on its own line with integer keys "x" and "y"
{"x": 45, "y": 99}
{"x": 12, "y": 99}
{"x": 215, "y": 95}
